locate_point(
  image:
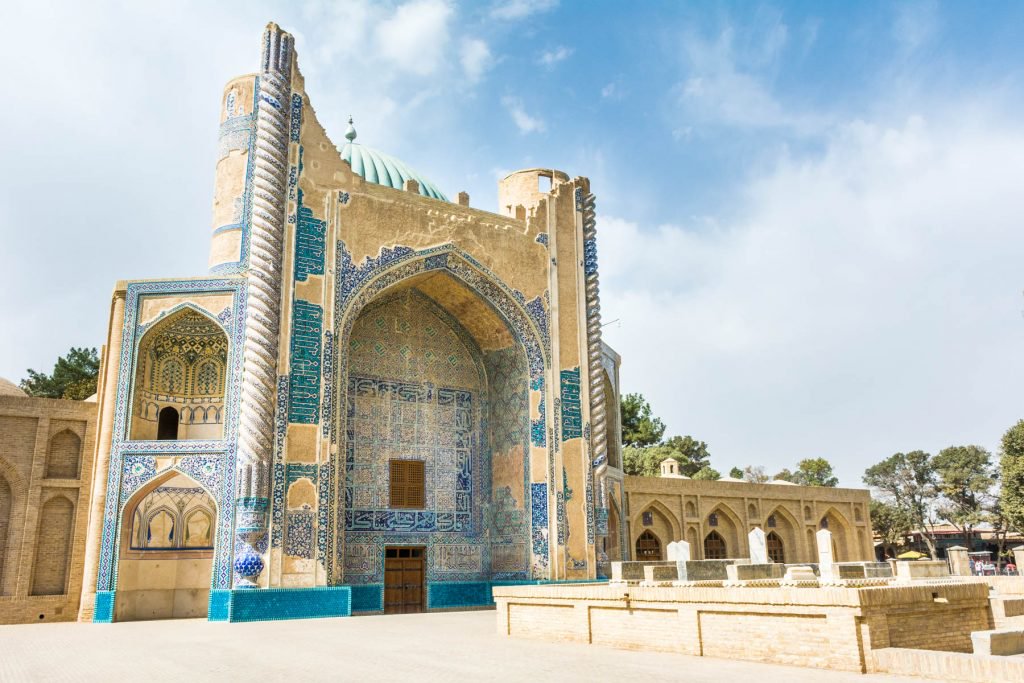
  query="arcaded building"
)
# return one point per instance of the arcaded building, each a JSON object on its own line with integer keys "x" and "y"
{"x": 715, "y": 517}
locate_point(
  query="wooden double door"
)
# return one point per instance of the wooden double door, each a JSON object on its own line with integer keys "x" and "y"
{"x": 403, "y": 580}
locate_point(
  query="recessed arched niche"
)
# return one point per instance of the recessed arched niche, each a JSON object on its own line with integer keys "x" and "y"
{"x": 180, "y": 373}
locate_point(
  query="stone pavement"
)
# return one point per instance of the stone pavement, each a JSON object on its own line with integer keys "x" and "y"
{"x": 450, "y": 646}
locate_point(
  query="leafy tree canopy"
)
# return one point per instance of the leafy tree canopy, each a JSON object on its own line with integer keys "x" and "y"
{"x": 639, "y": 425}
{"x": 1011, "y": 469}
{"x": 785, "y": 475}
{"x": 964, "y": 478}
{"x": 645, "y": 461}
{"x": 814, "y": 472}
{"x": 736, "y": 473}
{"x": 891, "y": 523}
{"x": 707, "y": 473}
{"x": 74, "y": 377}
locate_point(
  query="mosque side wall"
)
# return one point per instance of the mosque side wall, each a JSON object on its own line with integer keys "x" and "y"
{"x": 676, "y": 509}
{"x": 46, "y": 467}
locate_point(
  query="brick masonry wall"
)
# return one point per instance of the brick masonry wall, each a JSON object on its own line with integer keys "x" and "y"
{"x": 46, "y": 457}
{"x": 834, "y": 628}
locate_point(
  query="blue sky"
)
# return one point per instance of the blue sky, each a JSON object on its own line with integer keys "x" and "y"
{"x": 810, "y": 213}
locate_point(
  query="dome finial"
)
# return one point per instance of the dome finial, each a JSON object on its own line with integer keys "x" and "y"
{"x": 350, "y": 133}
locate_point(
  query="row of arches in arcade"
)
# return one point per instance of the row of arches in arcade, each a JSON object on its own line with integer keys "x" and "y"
{"x": 722, "y": 535}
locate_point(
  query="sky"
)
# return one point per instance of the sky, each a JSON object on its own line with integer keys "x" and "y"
{"x": 810, "y": 228}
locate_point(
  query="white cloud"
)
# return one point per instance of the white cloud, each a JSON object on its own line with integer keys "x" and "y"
{"x": 520, "y": 9}
{"x": 549, "y": 58}
{"x": 524, "y": 122}
{"x": 915, "y": 23}
{"x": 610, "y": 91}
{"x": 863, "y": 302}
{"x": 475, "y": 57}
{"x": 415, "y": 36}
{"x": 729, "y": 86}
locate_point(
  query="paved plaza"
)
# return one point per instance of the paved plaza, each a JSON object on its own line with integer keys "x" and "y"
{"x": 452, "y": 646}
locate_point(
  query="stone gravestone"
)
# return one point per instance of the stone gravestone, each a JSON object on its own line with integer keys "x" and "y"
{"x": 959, "y": 562}
{"x": 679, "y": 552}
{"x": 758, "y": 547}
{"x": 825, "y": 559}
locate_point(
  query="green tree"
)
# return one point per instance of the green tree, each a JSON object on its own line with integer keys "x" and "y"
{"x": 785, "y": 475}
{"x": 692, "y": 455}
{"x": 814, "y": 472}
{"x": 74, "y": 377}
{"x": 639, "y": 425}
{"x": 736, "y": 473}
{"x": 1011, "y": 470}
{"x": 707, "y": 473}
{"x": 645, "y": 461}
{"x": 907, "y": 480}
{"x": 965, "y": 478}
{"x": 892, "y": 524}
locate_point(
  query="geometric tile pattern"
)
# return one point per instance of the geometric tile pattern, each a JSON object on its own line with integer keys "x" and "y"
{"x": 304, "y": 395}
{"x": 572, "y": 418}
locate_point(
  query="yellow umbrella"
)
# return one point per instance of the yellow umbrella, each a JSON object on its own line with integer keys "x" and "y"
{"x": 910, "y": 555}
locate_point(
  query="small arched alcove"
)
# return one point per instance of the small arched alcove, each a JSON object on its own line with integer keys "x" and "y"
{"x": 166, "y": 551}
{"x": 63, "y": 457}
{"x": 53, "y": 547}
{"x": 180, "y": 376}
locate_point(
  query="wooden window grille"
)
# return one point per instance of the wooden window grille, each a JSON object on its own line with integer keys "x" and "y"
{"x": 714, "y": 547}
{"x": 776, "y": 550}
{"x": 407, "y": 484}
{"x": 648, "y": 547}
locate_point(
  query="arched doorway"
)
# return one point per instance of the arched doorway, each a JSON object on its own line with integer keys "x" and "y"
{"x": 166, "y": 554}
{"x": 715, "y": 547}
{"x": 776, "y": 548}
{"x": 841, "y": 536}
{"x": 180, "y": 378}
{"x": 435, "y": 380}
{"x": 648, "y": 547}
{"x": 167, "y": 424}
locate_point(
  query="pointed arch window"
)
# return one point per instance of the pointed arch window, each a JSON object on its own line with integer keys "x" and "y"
{"x": 714, "y": 547}
{"x": 648, "y": 547}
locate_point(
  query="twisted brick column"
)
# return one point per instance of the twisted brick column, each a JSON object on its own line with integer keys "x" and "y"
{"x": 598, "y": 409}
{"x": 263, "y": 306}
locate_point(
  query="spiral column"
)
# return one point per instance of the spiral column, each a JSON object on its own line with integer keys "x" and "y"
{"x": 263, "y": 305}
{"x": 598, "y": 409}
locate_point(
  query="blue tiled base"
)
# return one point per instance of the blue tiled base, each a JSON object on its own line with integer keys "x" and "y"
{"x": 368, "y": 598}
{"x": 103, "y": 608}
{"x": 442, "y": 595}
{"x": 275, "y": 604}
{"x": 454, "y": 595}
{"x": 220, "y": 605}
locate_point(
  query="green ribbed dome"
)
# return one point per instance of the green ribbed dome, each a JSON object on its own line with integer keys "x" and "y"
{"x": 383, "y": 169}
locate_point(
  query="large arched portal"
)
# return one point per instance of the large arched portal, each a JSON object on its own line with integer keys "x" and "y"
{"x": 437, "y": 435}
{"x": 166, "y": 551}
{"x": 179, "y": 379}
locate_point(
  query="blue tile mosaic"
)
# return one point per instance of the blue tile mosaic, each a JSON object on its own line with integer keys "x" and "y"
{"x": 103, "y": 608}
{"x": 274, "y": 604}
{"x": 572, "y": 417}
{"x": 451, "y": 595}
{"x": 304, "y": 389}
{"x": 368, "y": 598}
{"x": 220, "y": 605}
{"x": 309, "y": 243}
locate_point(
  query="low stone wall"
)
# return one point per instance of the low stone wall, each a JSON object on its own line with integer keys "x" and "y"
{"x": 947, "y": 666}
{"x": 35, "y": 609}
{"x": 833, "y": 627}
